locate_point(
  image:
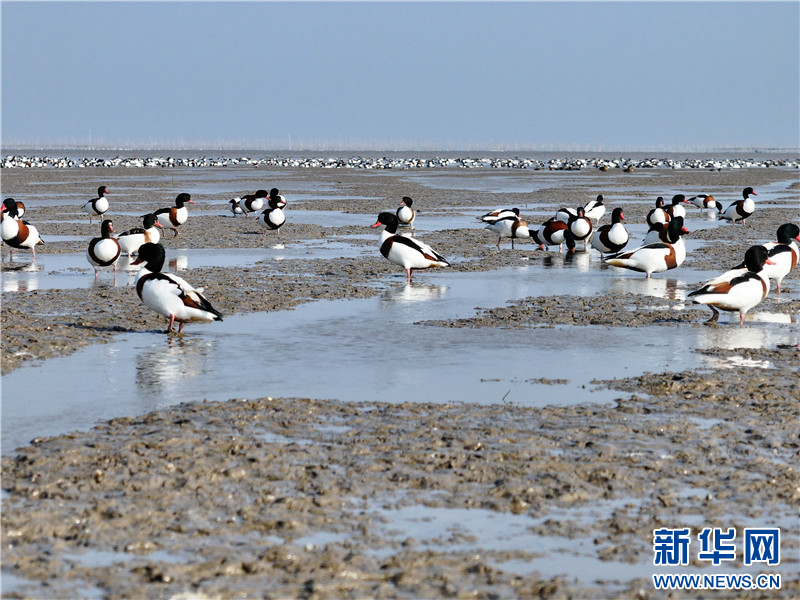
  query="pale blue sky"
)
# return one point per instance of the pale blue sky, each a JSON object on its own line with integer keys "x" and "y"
{"x": 405, "y": 75}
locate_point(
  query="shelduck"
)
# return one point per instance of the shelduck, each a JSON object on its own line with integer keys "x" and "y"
{"x": 407, "y": 252}
{"x": 611, "y": 238}
{"x": 405, "y": 214}
{"x": 580, "y": 226}
{"x": 676, "y": 208}
{"x": 15, "y": 232}
{"x": 551, "y": 233}
{"x": 235, "y": 208}
{"x": 737, "y": 289}
{"x": 500, "y": 213}
{"x": 658, "y": 257}
{"x": 169, "y": 295}
{"x": 104, "y": 251}
{"x": 783, "y": 254}
{"x": 251, "y": 203}
{"x": 705, "y": 202}
{"x": 741, "y": 209}
{"x": 174, "y": 216}
{"x": 509, "y": 227}
{"x": 132, "y": 239}
{"x": 273, "y": 217}
{"x": 98, "y": 206}
{"x": 658, "y": 214}
{"x": 595, "y": 209}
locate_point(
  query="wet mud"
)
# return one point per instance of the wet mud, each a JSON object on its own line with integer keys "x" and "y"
{"x": 299, "y": 498}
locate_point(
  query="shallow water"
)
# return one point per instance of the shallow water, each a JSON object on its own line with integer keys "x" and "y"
{"x": 372, "y": 350}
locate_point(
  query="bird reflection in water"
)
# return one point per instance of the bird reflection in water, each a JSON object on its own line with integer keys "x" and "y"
{"x": 166, "y": 364}
{"x": 414, "y": 292}
{"x": 179, "y": 263}
{"x": 13, "y": 282}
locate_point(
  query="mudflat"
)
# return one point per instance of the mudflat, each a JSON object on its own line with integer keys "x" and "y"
{"x": 298, "y": 497}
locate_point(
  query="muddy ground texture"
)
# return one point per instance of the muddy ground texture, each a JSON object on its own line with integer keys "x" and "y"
{"x": 215, "y": 499}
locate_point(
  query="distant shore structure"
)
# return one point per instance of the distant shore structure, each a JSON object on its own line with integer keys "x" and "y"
{"x": 407, "y": 160}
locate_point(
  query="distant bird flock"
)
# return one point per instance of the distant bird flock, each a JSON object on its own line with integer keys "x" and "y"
{"x": 628, "y": 165}
{"x": 662, "y": 249}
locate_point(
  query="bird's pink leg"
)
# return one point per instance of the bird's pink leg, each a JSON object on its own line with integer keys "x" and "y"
{"x": 171, "y": 321}
{"x": 408, "y": 272}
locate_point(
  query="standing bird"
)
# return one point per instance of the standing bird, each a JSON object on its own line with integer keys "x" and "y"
{"x": 273, "y": 217}
{"x": 104, "y": 251}
{"x": 169, "y": 295}
{"x": 611, "y": 238}
{"x": 500, "y": 213}
{"x": 235, "y": 208}
{"x": 405, "y": 214}
{"x": 705, "y": 202}
{"x": 511, "y": 227}
{"x": 580, "y": 226}
{"x": 595, "y": 209}
{"x": 407, "y": 252}
{"x": 251, "y": 203}
{"x": 737, "y": 289}
{"x": 658, "y": 257}
{"x": 658, "y": 214}
{"x": 98, "y": 206}
{"x": 15, "y": 232}
{"x": 784, "y": 254}
{"x": 130, "y": 240}
{"x": 676, "y": 209}
{"x": 741, "y": 209}
{"x": 174, "y": 216}
{"x": 552, "y": 233}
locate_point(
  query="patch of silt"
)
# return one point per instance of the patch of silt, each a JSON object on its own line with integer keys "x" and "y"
{"x": 294, "y": 497}
{"x": 611, "y": 310}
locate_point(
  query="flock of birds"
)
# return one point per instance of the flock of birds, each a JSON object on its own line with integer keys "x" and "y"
{"x": 576, "y": 163}
{"x": 738, "y": 289}
{"x": 662, "y": 249}
{"x": 165, "y": 293}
